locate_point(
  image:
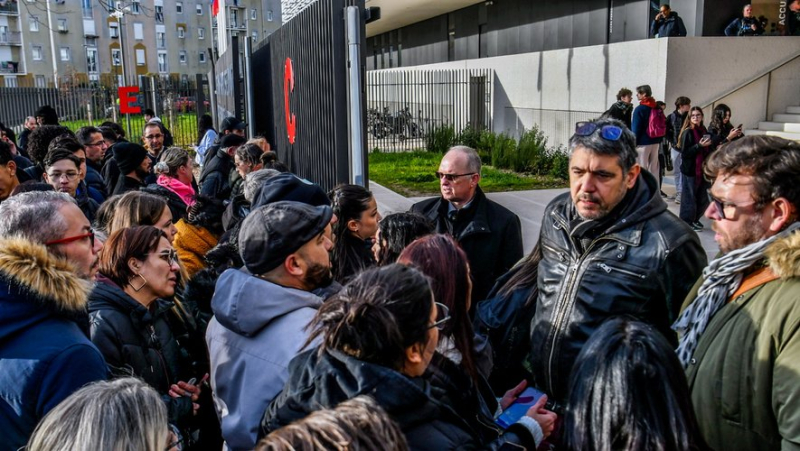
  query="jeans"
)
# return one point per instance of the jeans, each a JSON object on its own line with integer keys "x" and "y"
{"x": 677, "y": 175}
{"x": 648, "y": 157}
{"x": 694, "y": 199}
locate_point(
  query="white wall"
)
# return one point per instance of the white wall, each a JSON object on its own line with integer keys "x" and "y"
{"x": 586, "y": 79}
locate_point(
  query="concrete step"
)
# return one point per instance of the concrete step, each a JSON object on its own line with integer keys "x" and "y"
{"x": 793, "y": 110}
{"x": 779, "y": 126}
{"x": 786, "y": 118}
{"x": 786, "y": 135}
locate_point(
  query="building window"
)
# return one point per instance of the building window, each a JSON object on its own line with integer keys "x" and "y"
{"x": 182, "y": 56}
{"x": 181, "y": 32}
{"x": 270, "y": 17}
{"x": 136, "y": 7}
{"x": 234, "y": 18}
{"x": 40, "y": 81}
{"x": 199, "y": 9}
{"x": 62, "y": 25}
{"x": 11, "y": 82}
{"x": 140, "y": 58}
{"x": 33, "y": 23}
{"x": 253, "y": 14}
{"x": 161, "y": 39}
{"x": 113, "y": 30}
{"x": 90, "y": 41}
{"x": 162, "y": 62}
{"x": 65, "y": 53}
{"x": 87, "y": 8}
{"x": 138, "y": 31}
{"x": 255, "y": 36}
{"x": 38, "y": 54}
{"x": 91, "y": 60}
{"x": 201, "y": 57}
{"x": 159, "y": 14}
{"x": 179, "y": 7}
{"x": 116, "y": 57}
{"x": 201, "y": 33}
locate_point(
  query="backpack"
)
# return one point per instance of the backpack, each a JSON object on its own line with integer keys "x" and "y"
{"x": 657, "y": 126}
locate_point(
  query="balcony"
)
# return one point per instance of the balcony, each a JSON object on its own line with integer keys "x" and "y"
{"x": 11, "y": 38}
{"x": 9, "y": 67}
{"x": 235, "y": 3}
{"x": 9, "y": 9}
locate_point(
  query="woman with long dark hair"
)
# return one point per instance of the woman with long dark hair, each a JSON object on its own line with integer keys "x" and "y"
{"x": 358, "y": 216}
{"x": 628, "y": 391}
{"x": 395, "y": 232}
{"x": 695, "y": 145}
{"x": 206, "y": 135}
{"x": 377, "y": 337}
{"x": 720, "y": 128}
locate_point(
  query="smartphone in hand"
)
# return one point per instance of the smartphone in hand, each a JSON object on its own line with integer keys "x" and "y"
{"x": 705, "y": 137}
{"x": 520, "y": 407}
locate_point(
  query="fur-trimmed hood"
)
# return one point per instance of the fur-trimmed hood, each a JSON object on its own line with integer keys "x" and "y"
{"x": 28, "y": 270}
{"x": 784, "y": 256}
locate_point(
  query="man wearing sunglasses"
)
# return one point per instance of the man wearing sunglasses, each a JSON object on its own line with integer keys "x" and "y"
{"x": 489, "y": 233}
{"x": 609, "y": 247}
{"x": 48, "y": 256}
{"x": 740, "y": 325}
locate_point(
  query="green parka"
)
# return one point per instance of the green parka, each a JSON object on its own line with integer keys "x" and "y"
{"x": 745, "y": 374}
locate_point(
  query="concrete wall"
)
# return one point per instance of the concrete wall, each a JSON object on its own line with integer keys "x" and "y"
{"x": 586, "y": 79}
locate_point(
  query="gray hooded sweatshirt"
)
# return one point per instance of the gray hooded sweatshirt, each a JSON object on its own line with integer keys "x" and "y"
{"x": 258, "y": 327}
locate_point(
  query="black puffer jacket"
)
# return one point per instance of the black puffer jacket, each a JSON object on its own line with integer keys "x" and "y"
{"x": 215, "y": 180}
{"x": 137, "y": 341}
{"x": 325, "y": 380}
{"x": 620, "y": 111}
{"x": 176, "y": 205}
{"x": 490, "y": 234}
{"x": 641, "y": 261}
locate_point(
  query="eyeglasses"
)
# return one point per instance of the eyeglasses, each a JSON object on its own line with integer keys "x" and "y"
{"x": 89, "y": 235}
{"x": 452, "y": 177}
{"x": 59, "y": 175}
{"x": 97, "y": 144}
{"x": 721, "y": 206}
{"x": 170, "y": 256}
{"x": 608, "y": 132}
{"x": 154, "y": 136}
{"x": 442, "y": 316}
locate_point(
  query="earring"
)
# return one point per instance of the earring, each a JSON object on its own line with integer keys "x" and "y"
{"x": 135, "y": 288}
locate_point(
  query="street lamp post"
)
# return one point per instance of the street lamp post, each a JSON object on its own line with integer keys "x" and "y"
{"x": 119, "y": 15}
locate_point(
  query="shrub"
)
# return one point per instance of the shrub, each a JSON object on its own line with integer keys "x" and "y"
{"x": 532, "y": 155}
{"x": 559, "y": 158}
{"x": 440, "y": 139}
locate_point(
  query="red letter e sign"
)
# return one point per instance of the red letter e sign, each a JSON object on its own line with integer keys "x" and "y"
{"x": 127, "y": 96}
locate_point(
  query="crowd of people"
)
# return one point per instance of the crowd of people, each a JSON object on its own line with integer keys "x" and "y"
{"x": 155, "y": 298}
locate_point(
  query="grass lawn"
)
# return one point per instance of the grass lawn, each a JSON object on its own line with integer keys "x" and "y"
{"x": 183, "y": 128}
{"x": 412, "y": 174}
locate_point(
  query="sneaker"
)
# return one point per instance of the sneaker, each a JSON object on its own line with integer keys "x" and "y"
{"x": 678, "y": 199}
{"x": 697, "y": 226}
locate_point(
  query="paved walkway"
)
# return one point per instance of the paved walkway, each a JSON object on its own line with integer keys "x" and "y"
{"x": 529, "y": 206}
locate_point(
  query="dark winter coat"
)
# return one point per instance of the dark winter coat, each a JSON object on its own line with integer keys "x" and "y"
{"x": 176, "y": 205}
{"x": 742, "y": 26}
{"x": 87, "y": 205}
{"x": 215, "y": 180}
{"x": 670, "y": 27}
{"x": 137, "y": 341}
{"x": 674, "y": 123}
{"x": 690, "y": 149}
{"x": 620, "y": 111}
{"x": 95, "y": 181}
{"x": 640, "y": 260}
{"x": 110, "y": 171}
{"x": 640, "y": 124}
{"x": 126, "y": 184}
{"x": 490, "y": 234}
{"x": 45, "y": 353}
{"x": 428, "y": 422}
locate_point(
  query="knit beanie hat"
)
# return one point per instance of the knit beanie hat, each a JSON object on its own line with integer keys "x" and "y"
{"x": 128, "y": 156}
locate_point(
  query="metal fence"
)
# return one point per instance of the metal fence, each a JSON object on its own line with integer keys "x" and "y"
{"x": 557, "y": 125}
{"x": 177, "y": 103}
{"x": 404, "y": 106}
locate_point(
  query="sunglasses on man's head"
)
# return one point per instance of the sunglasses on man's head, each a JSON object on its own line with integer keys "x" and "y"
{"x": 609, "y": 132}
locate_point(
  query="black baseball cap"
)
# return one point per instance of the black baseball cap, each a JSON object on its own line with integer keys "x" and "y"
{"x": 233, "y": 123}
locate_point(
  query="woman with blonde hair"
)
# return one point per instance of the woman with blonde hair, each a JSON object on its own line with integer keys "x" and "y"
{"x": 122, "y": 414}
{"x": 174, "y": 183}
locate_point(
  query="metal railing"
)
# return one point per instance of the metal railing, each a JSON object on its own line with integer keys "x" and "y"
{"x": 79, "y": 104}
{"x": 404, "y": 106}
{"x": 9, "y": 67}
{"x": 11, "y": 38}
{"x": 9, "y": 8}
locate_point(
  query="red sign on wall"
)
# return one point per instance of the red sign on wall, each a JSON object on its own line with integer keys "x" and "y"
{"x": 288, "y": 87}
{"x": 127, "y": 97}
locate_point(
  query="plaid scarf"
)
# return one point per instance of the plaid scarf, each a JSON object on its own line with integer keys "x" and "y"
{"x": 723, "y": 276}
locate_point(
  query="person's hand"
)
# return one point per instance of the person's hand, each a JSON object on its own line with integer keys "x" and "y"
{"x": 705, "y": 142}
{"x": 735, "y": 133}
{"x": 753, "y": 27}
{"x": 545, "y": 418}
{"x": 512, "y": 395}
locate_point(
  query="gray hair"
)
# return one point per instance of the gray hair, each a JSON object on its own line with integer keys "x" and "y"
{"x": 121, "y": 414}
{"x": 170, "y": 160}
{"x": 35, "y": 216}
{"x": 624, "y": 148}
{"x": 256, "y": 179}
{"x": 473, "y": 159}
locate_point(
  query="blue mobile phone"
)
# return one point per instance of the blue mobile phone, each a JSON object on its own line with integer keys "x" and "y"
{"x": 515, "y": 411}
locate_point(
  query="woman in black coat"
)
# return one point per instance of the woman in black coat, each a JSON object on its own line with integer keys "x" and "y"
{"x": 378, "y": 337}
{"x": 695, "y": 146}
{"x": 138, "y": 267}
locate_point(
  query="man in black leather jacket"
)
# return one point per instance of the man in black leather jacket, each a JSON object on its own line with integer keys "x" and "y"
{"x": 610, "y": 247}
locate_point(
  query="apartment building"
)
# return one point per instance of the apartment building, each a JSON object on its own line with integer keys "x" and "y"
{"x": 92, "y": 40}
